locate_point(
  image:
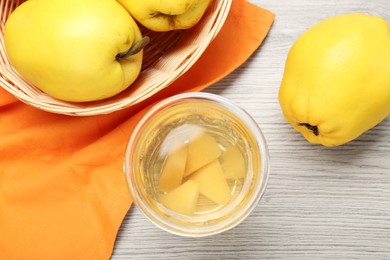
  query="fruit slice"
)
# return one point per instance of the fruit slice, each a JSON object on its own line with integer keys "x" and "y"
{"x": 202, "y": 149}
{"x": 212, "y": 183}
{"x": 183, "y": 199}
{"x": 174, "y": 165}
{"x": 233, "y": 163}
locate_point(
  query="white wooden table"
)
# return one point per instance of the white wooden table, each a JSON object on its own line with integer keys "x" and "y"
{"x": 320, "y": 203}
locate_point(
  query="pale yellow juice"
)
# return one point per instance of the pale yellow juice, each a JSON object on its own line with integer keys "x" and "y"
{"x": 177, "y": 126}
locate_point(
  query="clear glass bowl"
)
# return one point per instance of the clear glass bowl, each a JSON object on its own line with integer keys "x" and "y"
{"x": 172, "y": 119}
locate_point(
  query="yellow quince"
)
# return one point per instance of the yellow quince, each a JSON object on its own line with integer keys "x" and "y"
{"x": 162, "y": 16}
{"x": 336, "y": 83}
{"x": 75, "y": 50}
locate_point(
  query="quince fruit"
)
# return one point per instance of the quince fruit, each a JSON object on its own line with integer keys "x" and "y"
{"x": 75, "y": 50}
{"x": 162, "y": 16}
{"x": 336, "y": 83}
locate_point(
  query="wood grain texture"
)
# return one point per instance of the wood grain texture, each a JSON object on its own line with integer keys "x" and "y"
{"x": 320, "y": 203}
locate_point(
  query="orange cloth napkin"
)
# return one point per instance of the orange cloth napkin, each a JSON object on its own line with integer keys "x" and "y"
{"x": 63, "y": 193}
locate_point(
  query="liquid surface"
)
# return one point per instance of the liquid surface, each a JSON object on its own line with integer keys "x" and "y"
{"x": 159, "y": 149}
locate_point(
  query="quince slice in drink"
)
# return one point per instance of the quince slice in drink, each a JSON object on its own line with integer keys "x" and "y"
{"x": 202, "y": 149}
{"x": 183, "y": 199}
{"x": 233, "y": 163}
{"x": 212, "y": 183}
{"x": 174, "y": 165}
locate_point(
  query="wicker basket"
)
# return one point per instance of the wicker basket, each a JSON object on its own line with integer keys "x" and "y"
{"x": 166, "y": 58}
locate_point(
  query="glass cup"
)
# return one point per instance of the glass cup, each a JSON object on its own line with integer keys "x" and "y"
{"x": 177, "y": 118}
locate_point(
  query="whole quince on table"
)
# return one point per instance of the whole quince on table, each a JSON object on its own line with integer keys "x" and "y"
{"x": 162, "y": 16}
{"x": 75, "y": 50}
{"x": 336, "y": 83}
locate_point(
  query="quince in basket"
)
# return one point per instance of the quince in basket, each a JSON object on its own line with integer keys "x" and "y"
{"x": 75, "y": 50}
{"x": 162, "y": 16}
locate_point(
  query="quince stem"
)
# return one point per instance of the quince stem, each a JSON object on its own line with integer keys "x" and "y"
{"x": 135, "y": 48}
